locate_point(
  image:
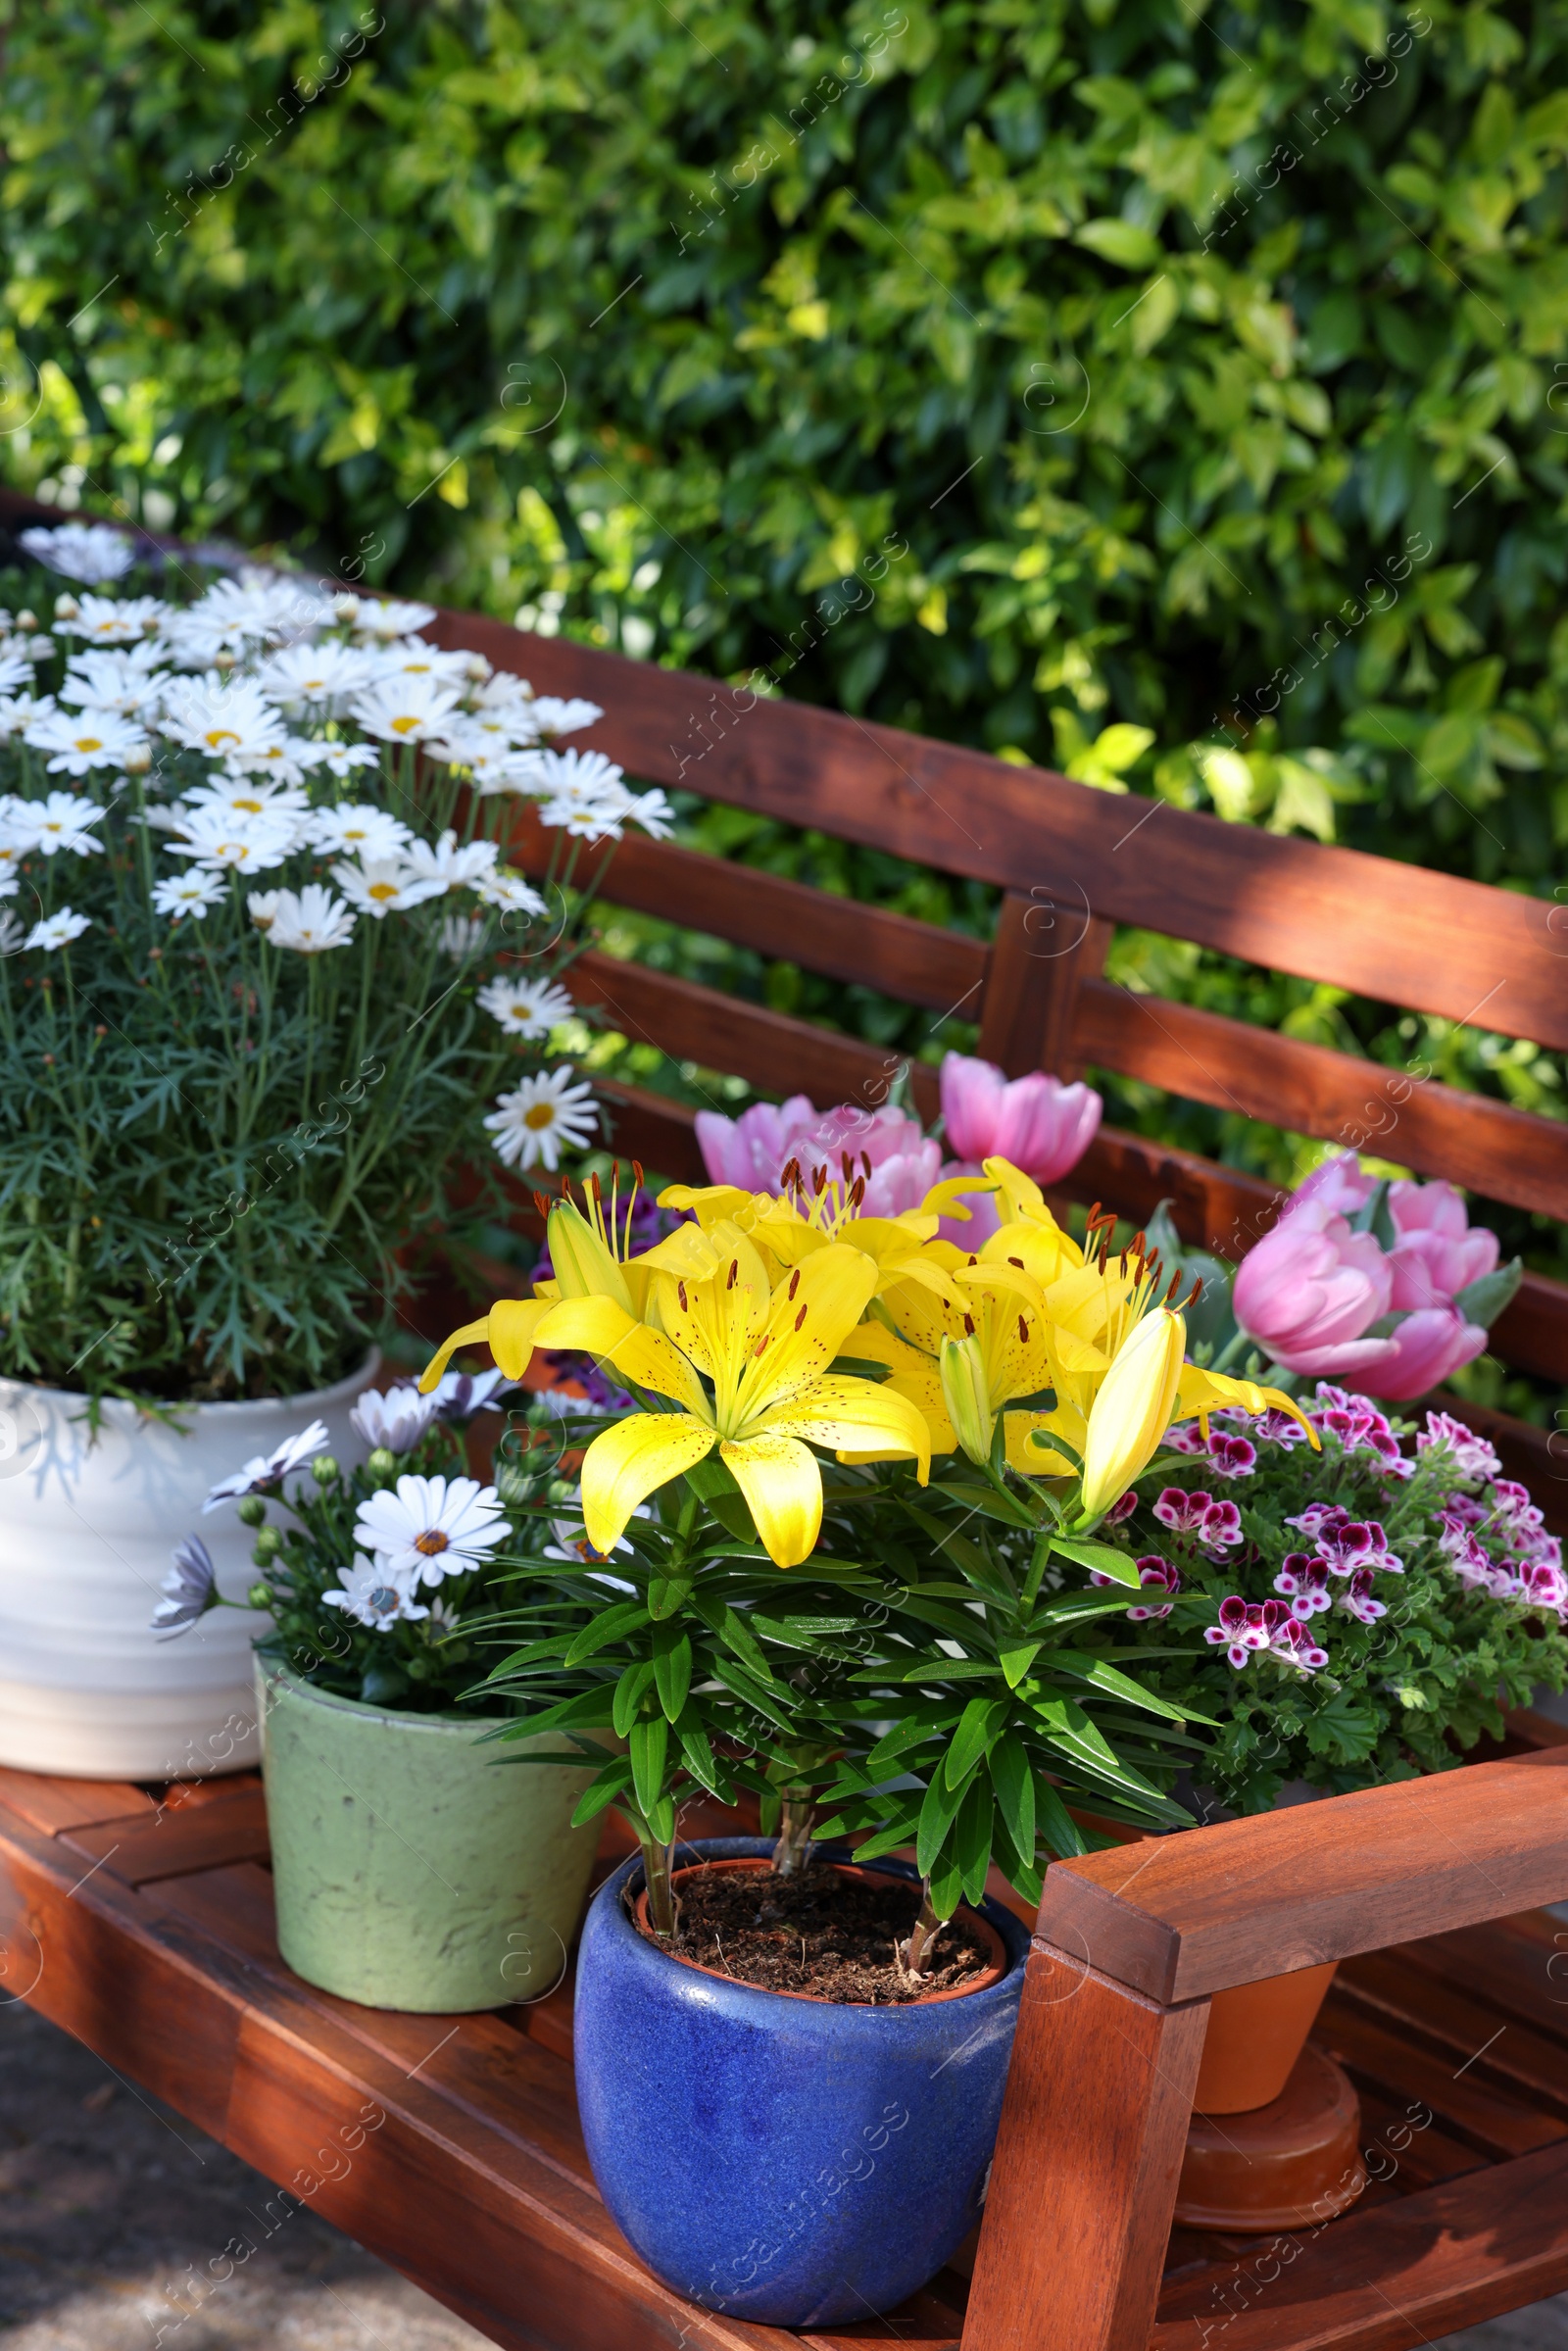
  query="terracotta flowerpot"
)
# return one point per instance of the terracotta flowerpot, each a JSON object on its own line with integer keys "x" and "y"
{"x": 1257, "y": 2031}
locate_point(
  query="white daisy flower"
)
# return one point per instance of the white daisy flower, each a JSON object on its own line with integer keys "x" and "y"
{"x": 246, "y": 799}
{"x": 188, "y": 894}
{"x": 509, "y": 892}
{"x": 531, "y": 1125}
{"x": 406, "y": 709}
{"x": 18, "y": 712}
{"x": 554, "y": 716}
{"x": 385, "y": 886}
{"x": 396, "y": 1421}
{"x": 653, "y": 812}
{"x": 310, "y": 921}
{"x": 320, "y": 678}
{"x": 455, "y": 867}
{"x": 463, "y": 937}
{"x": 57, "y": 930}
{"x": 15, "y": 671}
{"x": 371, "y": 1597}
{"x": 504, "y": 691}
{"x": 126, "y": 680}
{"x": 261, "y": 607}
{"x": 107, "y": 621}
{"x": 270, "y": 1469}
{"x": 432, "y": 1528}
{"x": 87, "y": 551}
{"x": 583, "y": 820}
{"x": 60, "y": 822}
{"x": 383, "y": 621}
{"x": 215, "y": 838}
{"x": 338, "y": 758}
{"x": 190, "y": 1587}
{"x": 226, "y": 718}
{"x": 83, "y": 740}
{"x": 526, "y": 1008}
{"x": 459, "y": 1395}
{"x": 359, "y": 828}
{"x": 411, "y": 656}
{"x": 11, "y": 933}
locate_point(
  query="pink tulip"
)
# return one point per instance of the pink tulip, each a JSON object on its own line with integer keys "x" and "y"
{"x": 1437, "y": 1253}
{"x": 1425, "y": 1348}
{"x": 750, "y": 1150}
{"x": 1309, "y": 1289}
{"x": 1040, "y": 1125}
{"x": 1338, "y": 1183}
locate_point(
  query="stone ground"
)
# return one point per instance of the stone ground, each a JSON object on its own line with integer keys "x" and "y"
{"x": 111, "y": 2204}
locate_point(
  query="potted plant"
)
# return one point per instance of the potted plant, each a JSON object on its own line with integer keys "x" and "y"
{"x": 781, "y": 1597}
{"x": 414, "y": 1864}
{"x": 262, "y": 968}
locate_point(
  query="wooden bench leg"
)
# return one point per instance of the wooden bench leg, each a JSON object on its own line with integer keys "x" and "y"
{"x": 1084, "y": 2183}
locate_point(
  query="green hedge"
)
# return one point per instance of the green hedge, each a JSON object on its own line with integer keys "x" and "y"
{"x": 1213, "y": 366}
{"x": 1207, "y": 370}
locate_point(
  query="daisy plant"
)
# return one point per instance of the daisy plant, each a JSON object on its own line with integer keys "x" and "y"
{"x": 384, "y": 1582}
{"x": 839, "y": 1549}
{"x": 265, "y": 976}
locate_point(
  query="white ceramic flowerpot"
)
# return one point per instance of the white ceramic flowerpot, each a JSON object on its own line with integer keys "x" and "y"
{"x": 87, "y": 1527}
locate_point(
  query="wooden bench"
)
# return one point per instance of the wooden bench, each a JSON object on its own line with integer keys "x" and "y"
{"x": 143, "y": 1922}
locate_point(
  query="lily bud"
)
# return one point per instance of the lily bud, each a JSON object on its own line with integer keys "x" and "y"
{"x": 966, "y": 1391}
{"x": 1132, "y": 1410}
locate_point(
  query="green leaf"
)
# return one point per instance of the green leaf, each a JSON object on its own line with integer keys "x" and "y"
{"x": 1483, "y": 1300}
{"x": 666, "y": 1593}
{"x": 1102, "y": 1556}
{"x": 672, "y": 1668}
{"x": 648, "y": 1748}
{"x": 603, "y": 1792}
{"x": 698, "y": 1752}
{"x": 628, "y": 1616}
{"x": 1120, "y": 241}
{"x": 1014, "y": 1785}
{"x": 978, "y": 1725}
{"x": 1015, "y": 1663}
{"x": 938, "y": 1810}
{"x": 971, "y": 1840}
{"x": 628, "y": 1694}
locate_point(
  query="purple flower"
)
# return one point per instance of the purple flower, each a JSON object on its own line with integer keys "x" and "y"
{"x": 1188, "y": 1438}
{"x": 1123, "y": 1510}
{"x": 191, "y": 1586}
{"x": 1304, "y": 1578}
{"x": 1356, "y": 1544}
{"x": 1160, "y": 1572}
{"x": 270, "y": 1469}
{"x": 1231, "y": 1456}
{"x": 1184, "y": 1513}
{"x": 1318, "y": 1515}
{"x": 1240, "y": 1630}
{"x": 1278, "y": 1427}
{"x": 1356, "y": 1599}
{"x": 582, "y": 1370}
{"x": 1222, "y": 1527}
{"x": 1293, "y": 1644}
{"x": 1471, "y": 1455}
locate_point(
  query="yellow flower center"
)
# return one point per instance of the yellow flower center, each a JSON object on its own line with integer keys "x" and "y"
{"x": 220, "y": 734}
{"x": 542, "y": 1115}
{"x": 404, "y": 726}
{"x": 254, "y": 806}
{"x": 89, "y": 743}
{"x": 383, "y": 890}
{"x": 431, "y": 1542}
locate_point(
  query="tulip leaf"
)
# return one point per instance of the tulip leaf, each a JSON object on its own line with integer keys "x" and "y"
{"x": 672, "y": 1668}
{"x": 1373, "y": 1216}
{"x": 978, "y": 1726}
{"x": 649, "y": 1746}
{"x": 1015, "y": 1663}
{"x": 1103, "y": 1557}
{"x": 1483, "y": 1299}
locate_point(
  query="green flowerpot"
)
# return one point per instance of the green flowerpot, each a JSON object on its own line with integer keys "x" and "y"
{"x": 413, "y": 1868}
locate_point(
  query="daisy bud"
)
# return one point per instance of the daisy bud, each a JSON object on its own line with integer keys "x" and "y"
{"x": 323, "y": 1469}
{"x": 222, "y": 660}
{"x": 268, "y": 1543}
{"x": 26, "y": 620}
{"x": 382, "y": 1463}
{"x": 252, "y": 1510}
{"x": 259, "y": 1596}
{"x": 138, "y": 763}
{"x": 66, "y": 608}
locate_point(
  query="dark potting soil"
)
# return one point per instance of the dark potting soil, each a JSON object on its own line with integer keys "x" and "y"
{"x": 816, "y": 1932}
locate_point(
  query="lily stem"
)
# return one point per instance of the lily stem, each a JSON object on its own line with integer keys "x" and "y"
{"x": 792, "y": 1851}
{"x": 921, "y": 1950}
{"x": 657, "y": 1862}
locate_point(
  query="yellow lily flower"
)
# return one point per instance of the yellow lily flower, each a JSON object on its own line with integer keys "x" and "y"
{"x": 960, "y": 1363}
{"x": 1132, "y": 1410}
{"x": 1202, "y": 1392}
{"x": 764, "y": 1351}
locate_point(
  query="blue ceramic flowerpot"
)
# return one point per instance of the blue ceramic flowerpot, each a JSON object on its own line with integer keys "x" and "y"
{"x": 782, "y": 2159}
